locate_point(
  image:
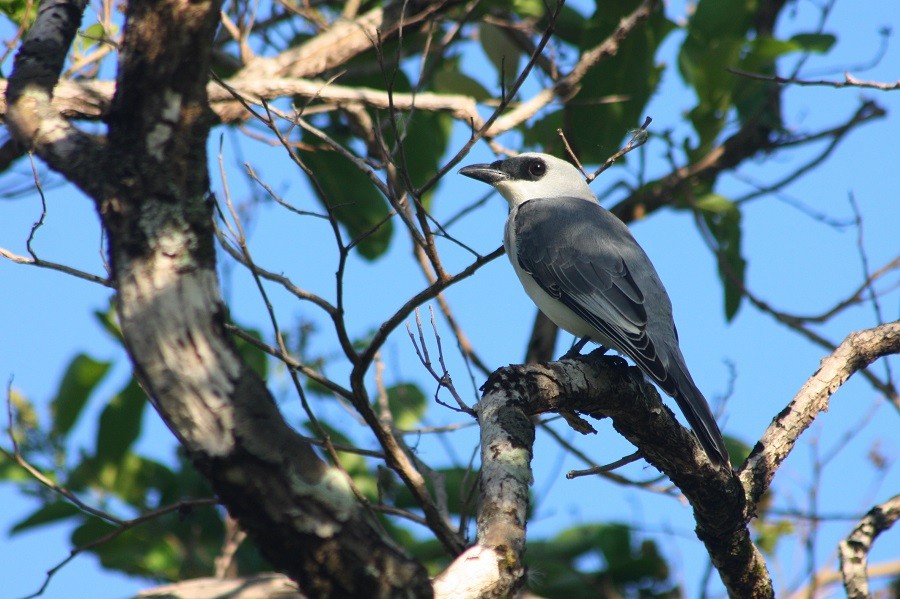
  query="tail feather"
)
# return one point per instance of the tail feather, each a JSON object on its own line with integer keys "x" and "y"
{"x": 696, "y": 410}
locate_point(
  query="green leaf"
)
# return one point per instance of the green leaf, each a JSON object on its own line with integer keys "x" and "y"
{"x": 529, "y": 9}
{"x": 502, "y": 51}
{"x": 819, "y": 43}
{"x": 407, "y": 403}
{"x": 738, "y": 451}
{"x": 25, "y": 416}
{"x": 353, "y": 199}
{"x": 769, "y": 533}
{"x": 542, "y": 134}
{"x": 716, "y": 19}
{"x": 11, "y": 471}
{"x": 255, "y": 358}
{"x": 92, "y": 35}
{"x": 82, "y": 376}
{"x": 723, "y": 218}
{"x": 134, "y": 476}
{"x": 120, "y": 423}
{"x": 110, "y": 323}
{"x": 612, "y": 98}
{"x": 622, "y": 563}
{"x": 174, "y": 546}
{"x": 570, "y": 27}
{"x": 766, "y": 49}
{"x": 448, "y": 80}
{"x": 458, "y": 484}
{"x": 139, "y": 551}
{"x": 424, "y": 143}
{"x": 716, "y": 40}
{"x": 15, "y": 11}
{"x": 47, "y": 514}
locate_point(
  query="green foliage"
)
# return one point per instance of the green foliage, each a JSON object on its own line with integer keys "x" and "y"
{"x": 449, "y": 80}
{"x": 15, "y": 11}
{"x": 599, "y": 560}
{"x": 768, "y": 533}
{"x": 347, "y": 193}
{"x": 254, "y": 357}
{"x": 723, "y": 219}
{"x": 502, "y": 51}
{"x": 176, "y": 546}
{"x": 424, "y": 136}
{"x": 120, "y": 423}
{"x": 111, "y": 476}
{"x": 716, "y": 37}
{"x": 738, "y": 451}
{"x": 51, "y": 512}
{"x": 81, "y": 377}
{"x": 459, "y": 485}
{"x": 94, "y": 34}
{"x": 610, "y": 100}
{"x": 819, "y": 43}
{"x": 595, "y": 560}
{"x": 407, "y": 404}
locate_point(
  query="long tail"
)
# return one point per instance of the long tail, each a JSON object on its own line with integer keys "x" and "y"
{"x": 695, "y": 408}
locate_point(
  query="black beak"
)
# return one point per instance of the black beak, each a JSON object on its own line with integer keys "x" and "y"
{"x": 487, "y": 173}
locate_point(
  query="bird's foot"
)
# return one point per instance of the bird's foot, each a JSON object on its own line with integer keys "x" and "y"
{"x": 575, "y": 350}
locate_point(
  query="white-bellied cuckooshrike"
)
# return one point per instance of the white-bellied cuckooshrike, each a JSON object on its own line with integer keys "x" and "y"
{"x": 581, "y": 266}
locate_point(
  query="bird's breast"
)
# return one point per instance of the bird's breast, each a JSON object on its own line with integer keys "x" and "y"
{"x": 554, "y": 309}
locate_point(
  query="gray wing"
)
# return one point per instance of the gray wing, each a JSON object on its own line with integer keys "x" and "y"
{"x": 586, "y": 258}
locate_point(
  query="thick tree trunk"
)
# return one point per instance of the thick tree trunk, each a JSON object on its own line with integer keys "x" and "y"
{"x": 150, "y": 183}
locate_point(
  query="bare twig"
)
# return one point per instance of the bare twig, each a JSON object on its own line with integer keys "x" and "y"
{"x": 848, "y": 81}
{"x": 17, "y": 457}
{"x": 123, "y": 526}
{"x": 638, "y": 138}
{"x": 443, "y": 379}
{"x": 629, "y": 459}
{"x": 40, "y": 263}
{"x": 234, "y": 537}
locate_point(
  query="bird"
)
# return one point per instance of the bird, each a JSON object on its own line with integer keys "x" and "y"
{"x": 583, "y": 268}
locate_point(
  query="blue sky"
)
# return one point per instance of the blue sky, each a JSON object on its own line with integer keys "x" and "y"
{"x": 797, "y": 263}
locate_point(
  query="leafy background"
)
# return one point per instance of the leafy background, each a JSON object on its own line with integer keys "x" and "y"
{"x": 99, "y": 436}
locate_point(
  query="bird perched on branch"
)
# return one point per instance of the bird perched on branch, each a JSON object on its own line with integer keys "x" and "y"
{"x": 585, "y": 271}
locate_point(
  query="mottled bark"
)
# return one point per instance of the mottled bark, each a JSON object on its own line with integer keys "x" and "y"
{"x": 603, "y": 386}
{"x": 149, "y": 181}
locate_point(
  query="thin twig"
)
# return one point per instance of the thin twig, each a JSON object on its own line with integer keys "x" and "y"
{"x": 638, "y": 138}
{"x": 848, "y": 81}
{"x": 629, "y": 459}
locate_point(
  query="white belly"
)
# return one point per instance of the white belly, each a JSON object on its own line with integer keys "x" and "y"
{"x": 554, "y": 309}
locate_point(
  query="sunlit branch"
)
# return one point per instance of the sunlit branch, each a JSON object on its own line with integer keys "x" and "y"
{"x": 848, "y": 81}
{"x": 856, "y": 352}
{"x": 854, "y": 550}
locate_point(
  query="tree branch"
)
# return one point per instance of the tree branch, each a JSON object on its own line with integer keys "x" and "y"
{"x": 29, "y": 113}
{"x": 856, "y": 352}
{"x": 854, "y": 550}
{"x": 603, "y": 386}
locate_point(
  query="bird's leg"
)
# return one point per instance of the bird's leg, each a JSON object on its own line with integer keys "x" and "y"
{"x": 575, "y": 350}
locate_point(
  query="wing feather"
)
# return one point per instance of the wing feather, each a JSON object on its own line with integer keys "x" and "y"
{"x": 574, "y": 251}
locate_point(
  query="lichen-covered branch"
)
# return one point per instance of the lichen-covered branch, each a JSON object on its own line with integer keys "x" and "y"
{"x": 150, "y": 182}
{"x": 856, "y": 352}
{"x": 30, "y": 115}
{"x": 604, "y": 386}
{"x": 854, "y": 550}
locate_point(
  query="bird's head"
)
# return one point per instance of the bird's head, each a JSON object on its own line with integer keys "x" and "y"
{"x": 530, "y": 176}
